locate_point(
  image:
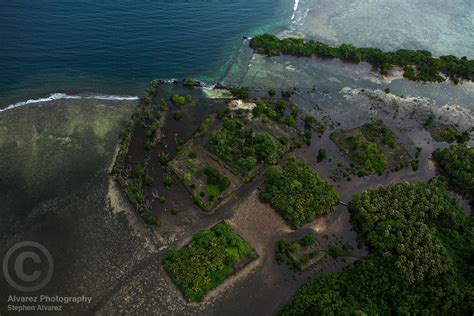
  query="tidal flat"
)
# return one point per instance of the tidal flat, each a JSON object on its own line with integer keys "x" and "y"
{"x": 256, "y": 222}
{"x": 108, "y": 238}
{"x": 54, "y": 177}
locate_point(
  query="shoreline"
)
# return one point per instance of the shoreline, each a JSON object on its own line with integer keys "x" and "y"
{"x": 62, "y": 96}
{"x": 417, "y": 65}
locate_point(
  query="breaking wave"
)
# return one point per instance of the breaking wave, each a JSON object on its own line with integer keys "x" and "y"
{"x": 60, "y": 96}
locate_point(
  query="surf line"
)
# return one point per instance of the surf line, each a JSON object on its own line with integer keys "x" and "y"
{"x": 295, "y": 7}
{"x": 60, "y": 96}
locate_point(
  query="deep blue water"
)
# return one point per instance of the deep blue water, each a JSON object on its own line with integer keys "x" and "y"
{"x": 117, "y": 47}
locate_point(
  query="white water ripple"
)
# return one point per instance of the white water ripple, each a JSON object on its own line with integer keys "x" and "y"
{"x": 59, "y": 96}
{"x": 295, "y": 7}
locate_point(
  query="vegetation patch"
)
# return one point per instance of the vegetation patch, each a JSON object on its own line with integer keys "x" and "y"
{"x": 372, "y": 147}
{"x": 135, "y": 186}
{"x": 177, "y": 115}
{"x": 279, "y": 117}
{"x": 311, "y": 122}
{"x": 321, "y": 155}
{"x": 127, "y": 133}
{"x": 212, "y": 256}
{"x": 243, "y": 148}
{"x": 138, "y": 116}
{"x": 150, "y": 220}
{"x": 300, "y": 254}
{"x": 163, "y": 105}
{"x": 336, "y": 252}
{"x": 181, "y": 99}
{"x": 447, "y": 133}
{"x": 281, "y": 111}
{"x": 189, "y": 82}
{"x": 216, "y": 182}
{"x": 418, "y": 65}
{"x": 149, "y": 92}
{"x": 207, "y": 184}
{"x": 402, "y": 219}
{"x": 427, "y": 268}
{"x": 240, "y": 92}
{"x": 208, "y": 122}
{"x": 457, "y": 163}
{"x": 297, "y": 192}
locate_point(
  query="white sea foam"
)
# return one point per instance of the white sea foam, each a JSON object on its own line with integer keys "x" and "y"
{"x": 208, "y": 86}
{"x": 59, "y": 96}
{"x": 295, "y": 7}
{"x": 170, "y": 81}
{"x": 112, "y": 97}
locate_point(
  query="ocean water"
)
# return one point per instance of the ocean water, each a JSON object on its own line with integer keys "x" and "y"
{"x": 117, "y": 47}
{"x": 73, "y": 70}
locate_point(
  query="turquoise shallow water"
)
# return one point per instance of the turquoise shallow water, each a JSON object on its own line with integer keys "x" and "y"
{"x": 118, "y": 46}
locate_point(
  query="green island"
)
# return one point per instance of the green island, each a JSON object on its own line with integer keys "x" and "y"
{"x": 420, "y": 245}
{"x": 244, "y": 148}
{"x": 283, "y": 111}
{"x": 181, "y": 99}
{"x": 418, "y": 65}
{"x": 207, "y": 184}
{"x": 212, "y": 256}
{"x": 457, "y": 163}
{"x": 232, "y": 160}
{"x": 372, "y": 147}
{"x": 297, "y": 192}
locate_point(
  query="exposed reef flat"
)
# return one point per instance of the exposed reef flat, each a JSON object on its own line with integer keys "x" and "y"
{"x": 138, "y": 281}
{"x": 177, "y": 216}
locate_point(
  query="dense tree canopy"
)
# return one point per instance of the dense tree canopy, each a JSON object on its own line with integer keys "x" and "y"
{"x": 181, "y": 99}
{"x": 372, "y": 286}
{"x": 370, "y": 147}
{"x": 400, "y": 219}
{"x": 207, "y": 261}
{"x": 419, "y": 65}
{"x": 428, "y": 269}
{"x": 243, "y": 147}
{"x": 457, "y": 162}
{"x": 281, "y": 111}
{"x": 240, "y": 92}
{"x": 297, "y": 192}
